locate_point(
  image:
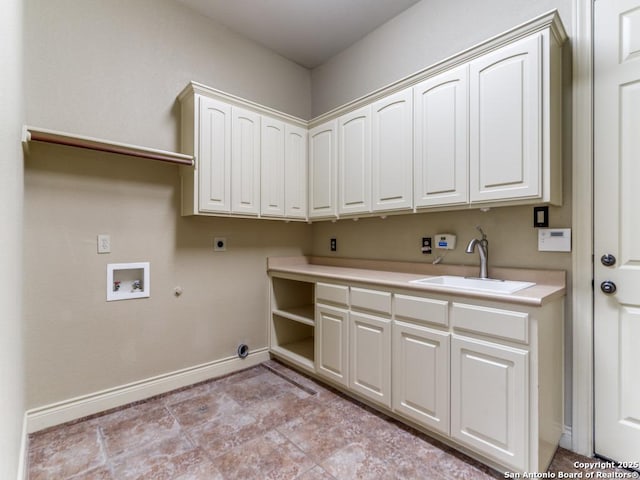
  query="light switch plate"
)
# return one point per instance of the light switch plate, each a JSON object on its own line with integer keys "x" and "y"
{"x": 554, "y": 240}
{"x": 541, "y": 217}
{"x": 104, "y": 243}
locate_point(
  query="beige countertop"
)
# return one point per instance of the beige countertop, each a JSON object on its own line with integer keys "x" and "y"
{"x": 549, "y": 284}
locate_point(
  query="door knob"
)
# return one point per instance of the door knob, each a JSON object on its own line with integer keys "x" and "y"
{"x": 608, "y": 260}
{"x": 608, "y": 287}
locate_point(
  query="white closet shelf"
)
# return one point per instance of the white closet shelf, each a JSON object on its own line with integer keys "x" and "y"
{"x": 35, "y": 134}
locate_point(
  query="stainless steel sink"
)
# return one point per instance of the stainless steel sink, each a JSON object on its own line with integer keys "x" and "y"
{"x": 488, "y": 285}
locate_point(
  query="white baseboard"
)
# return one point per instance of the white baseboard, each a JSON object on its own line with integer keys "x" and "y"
{"x": 565, "y": 439}
{"x": 83, "y": 406}
{"x": 23, "y": 461}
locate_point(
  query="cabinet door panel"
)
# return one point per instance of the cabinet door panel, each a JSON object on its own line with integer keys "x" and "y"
{"x": 214, "y": 156}
{"x": 489, "y": 400}
{"x": 370, "y": 352}
{"x": 272, "y": 167}
{"x": 322, "y": 170}
{"x": 245, "y": 162}
{"x": 295, "y": 172}
{"x": 441, "y": 139}
{"x": 332, "y": 343}
{"x": 392, "y": 152}
{"x": 421, "y": 375}
{"x": 354, "y": 162}
{"x": 505, "y": 122}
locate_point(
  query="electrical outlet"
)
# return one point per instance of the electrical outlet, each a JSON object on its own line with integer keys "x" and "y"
{"x": 333, "y": 245}
{"x": 426, "y": 245}
{"x": 219, "y": 244}
{"x": 104, "y": 243}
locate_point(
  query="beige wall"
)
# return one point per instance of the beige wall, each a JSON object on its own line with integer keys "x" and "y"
{"x": 112, "y": 69}
{"x": 426, "y": 33}
{"x": 513, "y": 241}
{"x": 11, "y": 354}
{"x": 77, "y": 343}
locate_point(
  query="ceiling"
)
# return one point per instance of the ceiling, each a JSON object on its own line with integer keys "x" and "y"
{"x": 308, "y": 32}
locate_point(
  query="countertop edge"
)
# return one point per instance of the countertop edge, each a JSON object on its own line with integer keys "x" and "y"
{"x": 350, "y": 271}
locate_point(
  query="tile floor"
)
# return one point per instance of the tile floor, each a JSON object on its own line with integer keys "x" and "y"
{"x": 267, "y": 422}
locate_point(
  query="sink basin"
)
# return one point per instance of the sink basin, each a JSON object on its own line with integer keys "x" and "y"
{"x": 488, "y": 285}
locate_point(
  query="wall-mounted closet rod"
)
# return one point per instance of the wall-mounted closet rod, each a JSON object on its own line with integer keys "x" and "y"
{"x": 33, "y": 134}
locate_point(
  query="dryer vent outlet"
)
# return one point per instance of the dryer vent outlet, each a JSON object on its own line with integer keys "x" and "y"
{"x": 243, "y": 350}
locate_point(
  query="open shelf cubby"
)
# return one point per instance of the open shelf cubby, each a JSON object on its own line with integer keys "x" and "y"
{"x": 292, "y": 321}
{"x": 293, "y": 299}
{"x": 293, "y": 340}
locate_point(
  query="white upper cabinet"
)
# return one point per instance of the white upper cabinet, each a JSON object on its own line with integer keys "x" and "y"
{"x": 245, "y": 162}
{"x": 283, "y": 169}
{"x": 213, "y": 155}
{"x": 295, "y": 171}
{"x": 441, "y": 151}
{"x": 273, "y": 167}
{"x": 354, "y": 162}
{"x": 506, "y": 119}
{"x": 479, "y": 129}
{"x": 392, "y": 152}
{"x": 250, "y": 160}
{"x": 322, "y": 170}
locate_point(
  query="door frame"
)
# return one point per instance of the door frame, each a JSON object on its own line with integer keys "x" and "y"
{"x": 582, "y": 294}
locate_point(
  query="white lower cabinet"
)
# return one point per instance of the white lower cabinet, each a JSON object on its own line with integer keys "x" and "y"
{"x": 485, "y": 375}
{"x": 370, "y": 357}
{"x": 421, "y": 375}
{"x": 490, "y": 399}
{"x": 332, "y": 343}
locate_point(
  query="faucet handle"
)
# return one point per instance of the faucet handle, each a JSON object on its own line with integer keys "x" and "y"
{"x": 484, "y": 235}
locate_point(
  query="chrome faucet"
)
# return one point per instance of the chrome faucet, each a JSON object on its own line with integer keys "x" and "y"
{"x": 483, "y": 250}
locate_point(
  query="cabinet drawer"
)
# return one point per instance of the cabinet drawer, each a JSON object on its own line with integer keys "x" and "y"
{"x": 338, "y": 294}
{"x": 421, "y": 309}
{"x": 373, "y": 300}
{"x": 491, "y": 321}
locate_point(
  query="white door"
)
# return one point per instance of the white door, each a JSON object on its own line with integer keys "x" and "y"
{"x": 332, "y": 343}
{"x": 214, "y": 156}
{"x": 295, "y": 172}
{"x": 505, "y": 122}
{"x": 370, "y": 352}
{"x": 354, "y": 162}
{"x": 272, "y": 168}
{"x": 392, "y": 152}
{"x": 245, "y": 162}
{"x": 489, "y": 399}
{"x": 421, "y": 375}
{"x": 617, "y": 228}
{"x": 322, "y": 170}
{"x": 440, "y": 141}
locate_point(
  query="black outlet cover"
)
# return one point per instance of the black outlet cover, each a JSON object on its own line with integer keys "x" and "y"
{"x": 541, "y": 217}
{"x": 426, "y": 245}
